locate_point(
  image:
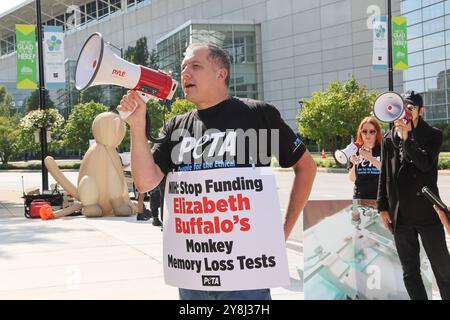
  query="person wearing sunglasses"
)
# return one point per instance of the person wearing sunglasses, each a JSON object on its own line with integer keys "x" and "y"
{"x": 409, "y": 157}
{"x": 365, "y": 165}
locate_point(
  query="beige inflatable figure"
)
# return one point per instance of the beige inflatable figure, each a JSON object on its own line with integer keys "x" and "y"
{"x": 102, "y": 189}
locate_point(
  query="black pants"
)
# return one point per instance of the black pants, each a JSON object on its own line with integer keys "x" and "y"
{"x": 155, "y": 202}
{"x": 408, "y": 248}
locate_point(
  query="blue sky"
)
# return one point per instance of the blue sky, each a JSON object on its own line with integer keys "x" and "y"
{"x": 6, "y": 5}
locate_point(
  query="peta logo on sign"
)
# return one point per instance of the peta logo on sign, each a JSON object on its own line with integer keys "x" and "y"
{"x": 211, "y": 281}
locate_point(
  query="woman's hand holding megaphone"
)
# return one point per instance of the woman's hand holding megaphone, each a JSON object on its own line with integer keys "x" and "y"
{"x": 132, "y": 104}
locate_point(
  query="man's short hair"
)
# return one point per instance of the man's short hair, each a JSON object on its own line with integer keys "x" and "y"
{"x": 217, "y": 54}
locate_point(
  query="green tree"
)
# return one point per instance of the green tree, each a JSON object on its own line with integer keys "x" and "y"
{"x": 5, "y": 96}
{"x": 94, "y": 94}
{"x": 445, "y": 127}
{"x": 8, "y": 138}
{"x": 153, "y": 60}
{"x": 32, "y": 102}
{"x": 77, "y": 132}
{"x": 331, "y": 117}
{"x": 138, "y": 54}
{"x": 179, "y": 107}
{"x": 32, "y": 122}
{"x": 5, "y": 103}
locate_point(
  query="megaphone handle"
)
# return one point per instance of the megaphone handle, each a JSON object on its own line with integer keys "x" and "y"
{"x": 145, "y": 97}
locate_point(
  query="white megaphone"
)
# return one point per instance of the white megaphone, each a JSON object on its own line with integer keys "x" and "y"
{"x": 389, "y": 107}
{"x": 98, "y": 65}
{"x": 343, "y": 156}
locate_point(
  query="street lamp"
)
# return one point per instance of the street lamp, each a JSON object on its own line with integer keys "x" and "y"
{"x": 43, "y": 133}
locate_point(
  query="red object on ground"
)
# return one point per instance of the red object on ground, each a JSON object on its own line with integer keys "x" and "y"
{"x": 324, "y": 156}
{"x": 46, "y": 212}
{"x": 35, "y": 207}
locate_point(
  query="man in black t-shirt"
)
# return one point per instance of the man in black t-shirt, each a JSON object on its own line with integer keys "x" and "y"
{"x": 218, "y": 134}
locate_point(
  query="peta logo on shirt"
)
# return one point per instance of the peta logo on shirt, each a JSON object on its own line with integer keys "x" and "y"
{"x": 230, "y": 146}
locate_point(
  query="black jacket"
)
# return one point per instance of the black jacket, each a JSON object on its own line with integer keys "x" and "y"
{"x": 401, "y": 181}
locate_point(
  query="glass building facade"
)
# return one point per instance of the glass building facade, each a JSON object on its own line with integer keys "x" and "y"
{"x": 239, "y": 40}
{"x": 429, "y": 55}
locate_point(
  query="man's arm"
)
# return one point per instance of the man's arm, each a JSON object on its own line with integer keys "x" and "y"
{"x": 424, "y": 158}
{"x": 305, "y": 172}
{"x": 146, "y": 173}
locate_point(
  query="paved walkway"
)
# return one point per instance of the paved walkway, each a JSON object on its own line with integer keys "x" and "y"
{"x": 80, "y": 258}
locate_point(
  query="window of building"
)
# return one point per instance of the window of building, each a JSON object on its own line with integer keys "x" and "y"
{"x": 433, "y": 26}
{"x": 60, "y": 21}
{"x": 10, "y": 44}
{"x": 3, "y": 47}
{"x": 429, "y": 2}
{"x": 414, "y": 31}
{"x": 433, "y": 55}
{"x": 102, "y": 8}
{"x": 415, "y": 45}
{"x": 433, "y": 69}
{"x": 82, "y": 14}
{"x": 414, "y": 17}
{"x": 433, "y": 40}
{"x": 413, "y": 73}
{"x": 415, "y": 59}
{"x": 417, "y": 85}
{"x": 115, "y": 5}
{"x": 433, "y": 11}
{"x": 91, "y": 11}
{"x": 410, "y": 5}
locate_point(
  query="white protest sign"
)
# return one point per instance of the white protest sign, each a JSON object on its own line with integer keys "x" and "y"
{"x": 223, "y": 230}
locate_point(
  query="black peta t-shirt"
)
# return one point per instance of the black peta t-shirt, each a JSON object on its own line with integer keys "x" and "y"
{"x": 366, "y": 183}
{"x": 234, "y": 133}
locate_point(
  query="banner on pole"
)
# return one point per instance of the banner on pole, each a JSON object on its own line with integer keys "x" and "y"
{"x": 55, "y": 75}
{"x": 399, "y": 43}
{"x": 380, "y": 43}
{"x": 26, "y": 56}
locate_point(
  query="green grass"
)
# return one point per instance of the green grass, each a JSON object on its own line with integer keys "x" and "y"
{"x": 36, "y": 165}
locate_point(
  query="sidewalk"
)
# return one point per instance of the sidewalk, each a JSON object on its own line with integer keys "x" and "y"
{"x": 80, "y": 258}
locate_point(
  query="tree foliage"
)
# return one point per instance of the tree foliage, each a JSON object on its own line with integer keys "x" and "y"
{"x": 179, "y": 107}
{"x": 32, "y": 102}
{"x": 5, "y": 103}
{"x": 331, "y": 117}
{"x": 138, "y": 54}
{"x": 8, "y": 138}
{"x": 33, "y": 121}
{"x": 445, "y": 127}
{"x": 77, "y": 132}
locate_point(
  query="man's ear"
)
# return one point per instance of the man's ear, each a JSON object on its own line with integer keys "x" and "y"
{"x": 422, "y": 111}
{"x": 222, "y": 73}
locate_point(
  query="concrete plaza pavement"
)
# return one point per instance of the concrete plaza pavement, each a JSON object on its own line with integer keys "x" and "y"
{"x": 102, "y": 258}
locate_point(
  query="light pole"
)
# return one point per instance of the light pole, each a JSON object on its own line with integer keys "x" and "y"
{"x": 43, "y": 133}
{"x": 389, "y": 27}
